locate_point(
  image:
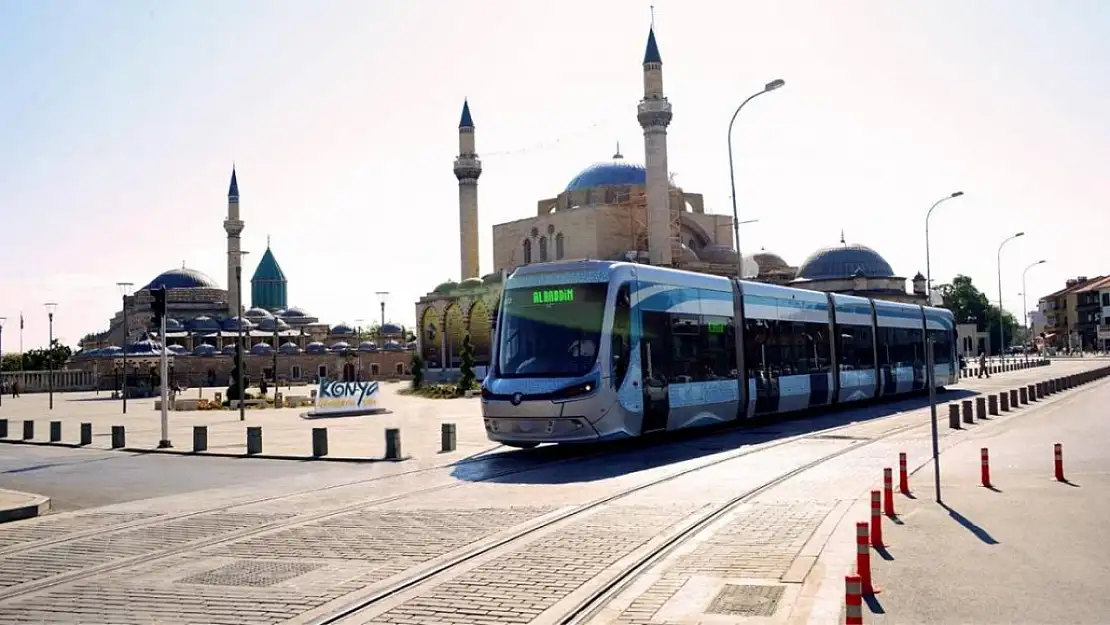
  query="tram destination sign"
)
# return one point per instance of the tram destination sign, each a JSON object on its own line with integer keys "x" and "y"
{"x": 553, "y": 296}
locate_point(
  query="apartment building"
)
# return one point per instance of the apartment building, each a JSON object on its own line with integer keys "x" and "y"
{"x": 1075, "y": 317}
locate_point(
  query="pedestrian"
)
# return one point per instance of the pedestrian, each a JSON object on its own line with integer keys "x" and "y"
{"x": 15, "y": 388}
{"x": 983, "y": 364}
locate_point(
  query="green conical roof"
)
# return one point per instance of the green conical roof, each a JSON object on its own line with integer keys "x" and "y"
{"x": 268, "y": 269}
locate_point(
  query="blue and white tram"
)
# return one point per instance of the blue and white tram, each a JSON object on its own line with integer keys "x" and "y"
{"x": 593, "y": 350}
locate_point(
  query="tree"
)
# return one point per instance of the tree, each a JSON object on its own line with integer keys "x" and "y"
{"x": 38, "y": 359}
{"x": 417, "y": 371}
{"x": 970, "y": 305}
{"x": 466, "y": 367}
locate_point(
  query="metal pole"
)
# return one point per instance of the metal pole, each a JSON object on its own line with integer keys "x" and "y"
{"x": 771, "y": 86}
{"x": 164, "y": 443}
{"x": 1025, "y": 307}
{"x": 2, "y": 319}
{"x": 124, "y": 367}
{"x": 1001, "y": 336}
{"x": 50, "y": 359}
{"x": 239, "y": 346}
{"x": 275, "y": 347}
{"x": 930, "y": 375}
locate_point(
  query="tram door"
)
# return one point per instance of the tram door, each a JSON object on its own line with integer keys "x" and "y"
{"x": 654, "y": 339}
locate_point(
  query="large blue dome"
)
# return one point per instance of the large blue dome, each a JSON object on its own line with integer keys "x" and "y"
{"x": 182, "y": 279}
{"x": 612, "y": 173}
{"x": 843, "y": 262}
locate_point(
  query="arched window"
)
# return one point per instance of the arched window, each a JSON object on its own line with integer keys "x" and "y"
{"x": 543, "y": 249}
{"x": 527, "y": 251}
{"x": 559, "y": 246}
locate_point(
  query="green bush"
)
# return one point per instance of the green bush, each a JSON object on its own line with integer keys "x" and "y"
{"x": 466, "y": 367}
{"x": 417, "y": 371}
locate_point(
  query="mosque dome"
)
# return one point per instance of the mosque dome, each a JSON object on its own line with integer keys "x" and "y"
{"x": 390, "y": 329}
{"x": 261, "y": 349}
{"x": 205, "y": 349}
{"x": 289, "y": 348}
{"x": 257, "y": 314}
{"x": 173, "y": 325}
{"x": 316, "y": 347}
{"x": 182, "y": 279}
{"x": 203, "y": 324}
{"x": 615, "y": 172}
{"x": 688, "y": 255}
{"x": 144, "y": 347}
{"x": 367, "y": 346}
{"x": 111, "y": 350}
{"x": 341, "y": 346}
{"x": 446, "y": 287}
{"x": 844, "y": 261}
{"x": 295, "y": 312}
{"x": 342, "y": 329}
{"x": 228, "y": 350}
{"x": 770, "y": 262}
{"x": 491, "y": 278}
{"x": 232, "y": 324}
{"x": 718, "y": 254}
{"x": 471, "y": 283}
{"x": 177, "y": 350}
{"x": 267, "y": 324}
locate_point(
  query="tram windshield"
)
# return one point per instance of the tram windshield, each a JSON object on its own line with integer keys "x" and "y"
{"x": 550, "y": 332}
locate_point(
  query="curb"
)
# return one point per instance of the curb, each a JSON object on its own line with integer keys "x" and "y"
{"x": 201, "y": 454}
{"x": 40, "y": 505}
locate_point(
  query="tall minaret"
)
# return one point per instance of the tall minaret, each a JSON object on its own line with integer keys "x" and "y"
{"x": 233, "y": 226}
{"x": 654, "y": 113}
{"x": 467, "y": 169}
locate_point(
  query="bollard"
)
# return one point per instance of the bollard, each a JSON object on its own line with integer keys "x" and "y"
{"x": 254, "y": 440}
{"x": 319, "y": 442}
{"x": 1023, "y": 392}
{"x": 992, "y": 405}
{"x": 888, "y": 492}
{"x": 86, "y": 434}
{"x": 3, "y": 428}
{"x": 1058, "y": 453}
{"x": 1004, "y": 402}
{"x": 876, "y": 520}
{"x": 863, "y": 560}
{"x": 55, "y": 431}
{"x": 28, "y": 429}
{"x": 119, "y": 437}
{"x": 967, "y": 411}
{"x": 853, "y": 600}
{"x": 953, "y": 416}
{"x": 392, "y": 444}
{"x": 985, "y": 467}
{"x": 980, "y": 407}
{"x": 1032, "y": 393}
{"x": 447, "y": 437}
{"x": 1013, "y": 398}
{"x": 200, "y": 438}
{"x": 1039, "y": 390}
{"x": 903, "y": 474}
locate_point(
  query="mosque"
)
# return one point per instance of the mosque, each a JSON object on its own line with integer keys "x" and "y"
{"x": 204, "y": 321}
{"x": 620, "y": 211}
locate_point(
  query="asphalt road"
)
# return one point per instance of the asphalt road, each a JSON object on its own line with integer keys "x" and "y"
{"x": 82, "y": 478}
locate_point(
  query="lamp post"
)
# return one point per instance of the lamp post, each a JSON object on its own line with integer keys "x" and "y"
{"x": 239, "y": 341}
{"x": 1025, "y": 306}
{"x": 275, "y": 352}
{"x": 358, "y": 347}
{"x": 1001, "y": 336}
{"x": 771, "y": 86}
{"x": 2, "y": 320}
{"x": 930, "y": 359}
{"x": 125, "y": 290}
{"x": 50, "y": 308}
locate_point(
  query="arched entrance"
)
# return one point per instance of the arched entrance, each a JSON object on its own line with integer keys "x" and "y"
{"x": 480, "y": 330}
{"x": 455, "y": 326}
{"x": 430, "y": 336}
{"x": 349, "y": 372}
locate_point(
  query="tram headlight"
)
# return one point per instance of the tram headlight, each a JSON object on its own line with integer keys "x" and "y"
{"x": 575, "y": 390}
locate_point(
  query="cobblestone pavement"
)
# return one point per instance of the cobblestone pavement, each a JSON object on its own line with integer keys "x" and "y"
{"x": 220, "y": 556}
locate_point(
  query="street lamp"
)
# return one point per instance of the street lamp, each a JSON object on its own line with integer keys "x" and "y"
{"x": 1025, "y": 305}
{"x": 125, "y": 290}
{"x": 928, "y": 265}
{"x": 358, "y": 347}
{"x": 50, "y": 308}
{"x": 2, "y": 320}
{"x": 771, "y": 86}
{"x": 1001, "y": 336}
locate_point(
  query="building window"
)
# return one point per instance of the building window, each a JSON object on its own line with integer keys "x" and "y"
{"x": 295, "y": 373}
{"x": 559, "y": 251}
{"x": 527, "y": 251}
{"x": 543, "y": 249}
{"x": 322, "y": 371}
{"x": 1106, "y": 299}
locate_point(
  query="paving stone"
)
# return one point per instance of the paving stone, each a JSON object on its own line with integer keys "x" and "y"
{"x": 55, "y": 527}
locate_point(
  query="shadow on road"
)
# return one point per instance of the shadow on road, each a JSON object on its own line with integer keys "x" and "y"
{"x": 970, "y": 526}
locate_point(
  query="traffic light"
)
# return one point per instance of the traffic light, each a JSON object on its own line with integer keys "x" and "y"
{"x": 158, "y": 306}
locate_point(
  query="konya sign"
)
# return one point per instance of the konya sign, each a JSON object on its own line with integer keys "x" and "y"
{"x": 335, "y": 397}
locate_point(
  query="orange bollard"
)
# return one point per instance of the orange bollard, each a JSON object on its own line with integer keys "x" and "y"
{"x": 985, "y": 464}
{"x": 888, "y": 492}
{"x": 863, "y": 560}
{"x": 1059, "y": 453}
{"x": 903, "y": 474}
{"x": 853, "y": 600}
{"x": 876, "y": 520}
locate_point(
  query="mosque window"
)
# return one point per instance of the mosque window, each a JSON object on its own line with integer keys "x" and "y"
{"x": 543, "y": 249}
{"x": 527, "y": 251}
{"x": 559, "y": 252}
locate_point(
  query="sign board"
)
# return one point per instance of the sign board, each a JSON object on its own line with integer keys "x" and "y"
{"x": 336, "y": 398}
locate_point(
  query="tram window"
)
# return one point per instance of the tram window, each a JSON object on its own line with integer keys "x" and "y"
{"x": 855, "y": 348}
{"x": 718, "y": 348}
{"x": 915, "y": 347}
{"x": 656, "y": 332}
{"x": 885, "y": 342}
{"x": 774, "y": 348}
{"x": 622, "y": 335}
{"x": 942, "y": 347}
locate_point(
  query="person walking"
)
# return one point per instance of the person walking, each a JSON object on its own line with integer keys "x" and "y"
{"x": 983, "y": 365}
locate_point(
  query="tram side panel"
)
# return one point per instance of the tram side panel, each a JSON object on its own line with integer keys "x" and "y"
{"x": 900, "y": 346}
{"x": 855, "y": 347}
{"x": 940, "y": 327}
{"x": 787, "y": 348}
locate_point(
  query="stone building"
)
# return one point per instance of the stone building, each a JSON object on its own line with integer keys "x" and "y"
{"x": 618, "y": 210}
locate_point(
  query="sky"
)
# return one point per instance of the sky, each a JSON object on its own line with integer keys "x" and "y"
{"x": 122, "y": 119}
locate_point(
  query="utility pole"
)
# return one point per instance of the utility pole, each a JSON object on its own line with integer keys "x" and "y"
{"x": 125, "y": 290}
{"x": 158, "y": 306}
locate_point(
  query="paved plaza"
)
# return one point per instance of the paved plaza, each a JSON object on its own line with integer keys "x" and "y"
{"x": 522, "y": 537}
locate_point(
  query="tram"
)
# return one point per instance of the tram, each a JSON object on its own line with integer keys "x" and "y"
{"x": 588, "y": 351}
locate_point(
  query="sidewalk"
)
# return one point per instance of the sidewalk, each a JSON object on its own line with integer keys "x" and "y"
{"x": 1029, "y": 550}
{"x": 15, "y": 505}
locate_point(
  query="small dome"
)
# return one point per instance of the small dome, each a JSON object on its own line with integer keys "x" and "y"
{"x": 491, "y": 278}
{"x": 688, "y": 255}
{"x": 228, "y": 350}
{"x": 617, "y": 172}
{"x": 316, "y": 347}
{"x": 203, "y": 325}
{"x": 232, "y": 324}
{"x": 341, "y": 346}
{"x": 173, "y": 325}
{"x": 446, "y": 287}
{"x": 367, "y": 346}
{"x": 177, "y": 350}
{"x": 342, "y": 329}
{"x": 289, "y": 348}
{"x": 392, "y": 346}
{"x": 471, "y": 283}
{"x": 294, "y": 312}
{"x": 844, "y": 261}
{"x": 769, "y": 262}
{"x": 181, "y": 279}
{"x": 267, "y": 325}
{"x": 718, "y": 254}
{"x": 111, "y": 350}
{"x": 144, "y": 347}
{"x": 204, "y": 349}
{"x": 391, "y": 329}
{"x": 257, "y": 314}
{"x": 919, "y": 277}
{"x": 411, "y": 345}
{"x": 261, "y": 349}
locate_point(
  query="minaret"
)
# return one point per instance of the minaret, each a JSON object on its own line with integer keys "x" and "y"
{"x": 654, "y": 114}
{"x": 467, "y": 169}
{"x": 233, "y": 226}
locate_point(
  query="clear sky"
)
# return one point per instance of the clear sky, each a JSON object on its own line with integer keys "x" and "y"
{"x": 121, "y": 120}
